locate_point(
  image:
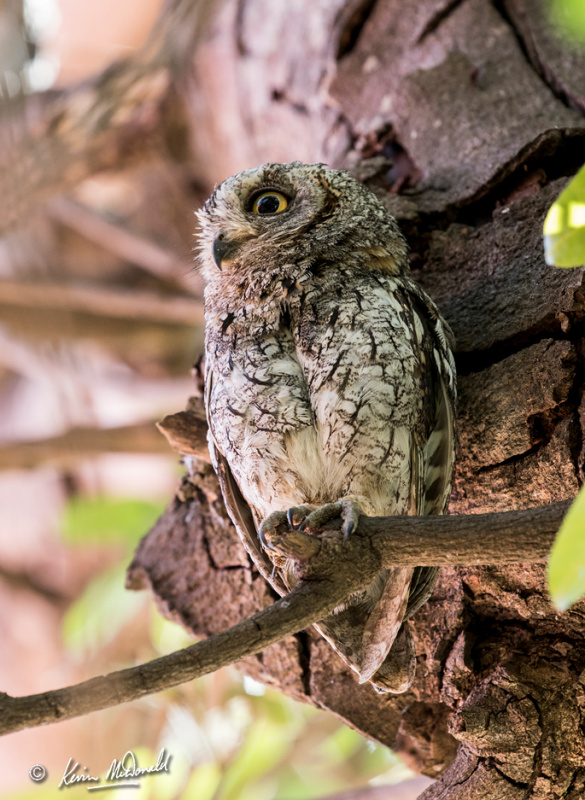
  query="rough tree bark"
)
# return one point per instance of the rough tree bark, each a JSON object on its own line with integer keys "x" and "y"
{"x": 480, "y": 108}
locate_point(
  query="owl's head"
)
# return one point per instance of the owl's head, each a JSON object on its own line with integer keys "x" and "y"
{"x": 279, "y": 215}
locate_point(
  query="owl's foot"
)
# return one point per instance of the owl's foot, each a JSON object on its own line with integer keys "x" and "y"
{"x": 290, "y": 519}
{"x": 348, "y": 510}
{"x": 310, "y": 518}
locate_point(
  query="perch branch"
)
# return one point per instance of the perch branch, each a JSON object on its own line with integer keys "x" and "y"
{"x": 502, "y": 537}
{"x": 330, "y": 570}
{"x": 307, "y": 603}
{"x": 507, "y": 537}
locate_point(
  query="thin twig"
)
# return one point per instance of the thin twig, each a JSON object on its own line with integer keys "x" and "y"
{"x": 128, "y": 246}
{"x": 82, "y": 442}
{"x": 101, "y": 301}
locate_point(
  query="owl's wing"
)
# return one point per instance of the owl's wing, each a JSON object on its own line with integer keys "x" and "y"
{"x": 437, "y": 454}
{"x": 432, "y": 459}
{"x": 370, "y": 632}
{"x": 238, "y": 509}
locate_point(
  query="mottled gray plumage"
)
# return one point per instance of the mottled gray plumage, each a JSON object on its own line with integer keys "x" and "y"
{"x": 329, "y": 377}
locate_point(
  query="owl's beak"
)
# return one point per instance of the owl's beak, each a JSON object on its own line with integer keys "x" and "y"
{"x": 223, "y": 248}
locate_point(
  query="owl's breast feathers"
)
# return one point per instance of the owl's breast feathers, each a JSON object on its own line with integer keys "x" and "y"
{"x": 338, "y": 384}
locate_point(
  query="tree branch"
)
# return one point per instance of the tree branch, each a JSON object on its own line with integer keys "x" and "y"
{"x": 101, "y": 301}
{"x": 52, "y": 141}
{"x": 329, "y": 570}
{"x": 82, "y": 442}
{"x": 502, "y": 537}
{"x": 125, "y": 244}
{"x": 508, "y": 537}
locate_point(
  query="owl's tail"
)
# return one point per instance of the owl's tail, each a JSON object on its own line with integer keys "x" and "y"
{"x": 398, "y": 669}
{"x": 384, "y": 621}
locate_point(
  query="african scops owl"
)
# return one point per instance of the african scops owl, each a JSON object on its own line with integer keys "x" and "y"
{"x": 330, "y": 385}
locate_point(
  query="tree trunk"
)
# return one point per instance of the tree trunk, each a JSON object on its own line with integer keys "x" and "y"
{"x": 479, "y": 107}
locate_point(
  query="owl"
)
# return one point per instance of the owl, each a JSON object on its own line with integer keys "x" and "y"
{"x": 330, "y": 386}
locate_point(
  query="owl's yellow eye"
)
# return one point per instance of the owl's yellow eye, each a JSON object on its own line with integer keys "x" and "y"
{"x": 269, "y": 203}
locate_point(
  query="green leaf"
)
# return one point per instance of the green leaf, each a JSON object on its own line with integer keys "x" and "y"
{"x": 265, "y": 745}
{"x": 342, "y": 744}
{"x": 564, "y": 226}
{"x": 566, "y": 566}
{"x": 106, "y": 519}
{"x": 203, "y": 782}
{"x": 568, "y": 16}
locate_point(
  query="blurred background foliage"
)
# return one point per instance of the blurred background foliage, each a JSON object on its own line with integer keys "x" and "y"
{"x": 100, "y": 322}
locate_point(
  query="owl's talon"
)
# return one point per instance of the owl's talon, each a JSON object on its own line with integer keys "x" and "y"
{"x": 350, "y": 514}
{"x": 321, "y": 516}
{"x": 269, "y": 528}
{"x": 296, "y": 515}
{"x": 291, "y": 519}
{"x": 348, "y": 510}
